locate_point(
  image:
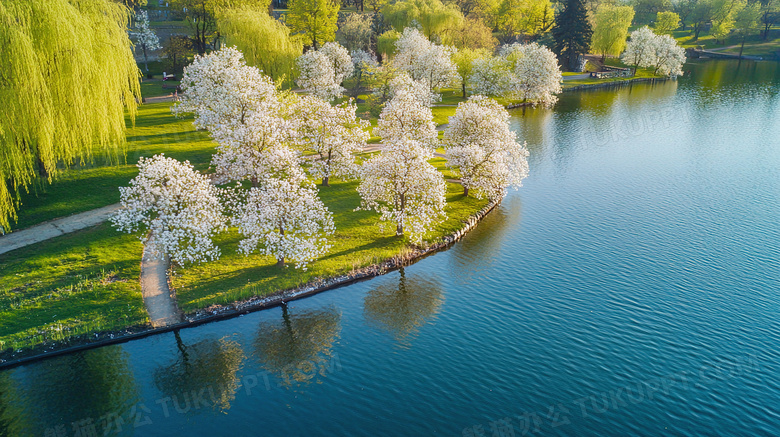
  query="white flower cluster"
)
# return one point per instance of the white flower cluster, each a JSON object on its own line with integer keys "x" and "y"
{"x": 404, "y": 188}
{"x": 285, "y": 219}
{"x": 484, "y": 151}
{"x": 176, "y": 208}
{"x": 660, "y": 52}
{"x": 334, "y": 133}
{"x": 536, "y": 76}
{"x": 143, "y": 36}
{"x": 527, "y": 72}
{"x": 322, "y": 71}
{"x": 425, "y": 61}
{"x": 363, "y": 61}
{"x": 407, "y": 116}
{"x": 222, "y": 91}
{"x": 490, "y": 76}
{"x": 404, "y": 84}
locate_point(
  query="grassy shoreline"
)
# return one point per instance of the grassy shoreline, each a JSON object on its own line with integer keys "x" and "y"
{"x": 87, "y": 281}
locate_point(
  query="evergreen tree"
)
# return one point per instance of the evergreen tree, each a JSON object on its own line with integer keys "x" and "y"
{"x": 572, "y": 33}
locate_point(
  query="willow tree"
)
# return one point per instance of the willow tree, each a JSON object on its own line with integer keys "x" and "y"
{"x": 610, "y": 29}
{"x": 67, "y": 79}
{"x": 265, "y": 42}
{"x": 433, "y": 16}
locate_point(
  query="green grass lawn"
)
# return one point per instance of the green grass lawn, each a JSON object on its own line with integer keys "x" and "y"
{"x": 754, "y": 44}
{"x": 75, "y": 284}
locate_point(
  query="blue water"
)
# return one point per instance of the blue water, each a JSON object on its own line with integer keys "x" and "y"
{"x": 629, "y": 288}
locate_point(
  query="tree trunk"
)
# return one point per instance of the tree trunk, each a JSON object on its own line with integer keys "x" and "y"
{"x": 42, "y": 171}
{"x": 399, "y": 230}
{"x": 742, "y": 47}
{"x": 466, "y": 191}
{"x": 463, "y": 86}
{"x": 326, "y": 181}
{"x": 280, "y": 260}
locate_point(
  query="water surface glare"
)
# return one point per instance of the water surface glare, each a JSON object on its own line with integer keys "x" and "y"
{"x": 629, "y": 288}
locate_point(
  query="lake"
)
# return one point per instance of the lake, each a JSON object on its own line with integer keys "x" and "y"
{"x": 630, "y": 287}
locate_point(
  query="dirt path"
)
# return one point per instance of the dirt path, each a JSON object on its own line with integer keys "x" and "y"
{"x": 55, "y": 228}
{"x": 159, "y": 301}
{"x": 576, "y": 76}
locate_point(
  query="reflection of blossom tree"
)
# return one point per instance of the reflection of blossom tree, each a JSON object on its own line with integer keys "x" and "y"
{"x": 206, "y": 369}
{"x": 77, "y": 388}
{"x": 403, "y": 308}
{"x": 299, "y": 347}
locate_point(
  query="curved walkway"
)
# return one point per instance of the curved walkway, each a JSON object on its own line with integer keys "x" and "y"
{"x": 55, "y": 228}
{"x": 159, "y": 301}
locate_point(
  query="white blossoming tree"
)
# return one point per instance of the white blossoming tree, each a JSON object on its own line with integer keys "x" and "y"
{"x": 340, "y": 59}
{"x": 220, "y": 90}
{"x": 322, "y": 71}
{"x": 333, "y": 133}
{"x": 490, "y": 76}
{"x": 406, "y": 117}
{"x": 669, "y": 56}
{"x": 245, "y": 115}
{"x": 176, "y": 209}
{"x": 144, "y": 37}
{"x": 640, "y": 49}
{"x": 285, "y": 219}
{"x": 483, "y": 150}
{"x": 536, "y": 76}
{"x": 426, "y": 62}
{"x": 404, "y": 189}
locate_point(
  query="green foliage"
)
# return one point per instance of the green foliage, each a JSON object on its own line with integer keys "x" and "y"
{"x": 385, "y": 43}
{"x": 724, "y": 16}
{"x": 177, "y": 52}
{"x": 666, "y": 22}
{"x": 770, "y": 15}
{"x": 57, "y": 108}
{"x": 572, "y": 33}
{"x": 646, "y": 10}
{"x": 464, "y": 60}
{"x": 524, "y": 17}
{"x": 265, "y": 42}
{"x": 746, "y": 21}
{"x": 355, "y": 32}
{"x": 610, "y": 29}
{"x": 433, "y": 16}
{"x": 472, "y": 33}
{"x": 315, "y": 20}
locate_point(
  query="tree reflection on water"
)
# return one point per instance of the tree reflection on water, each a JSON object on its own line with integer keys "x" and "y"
{"x": 299, "y": 347}
{"x": 204, "y": 373}
{"x": 402, "y": 307}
